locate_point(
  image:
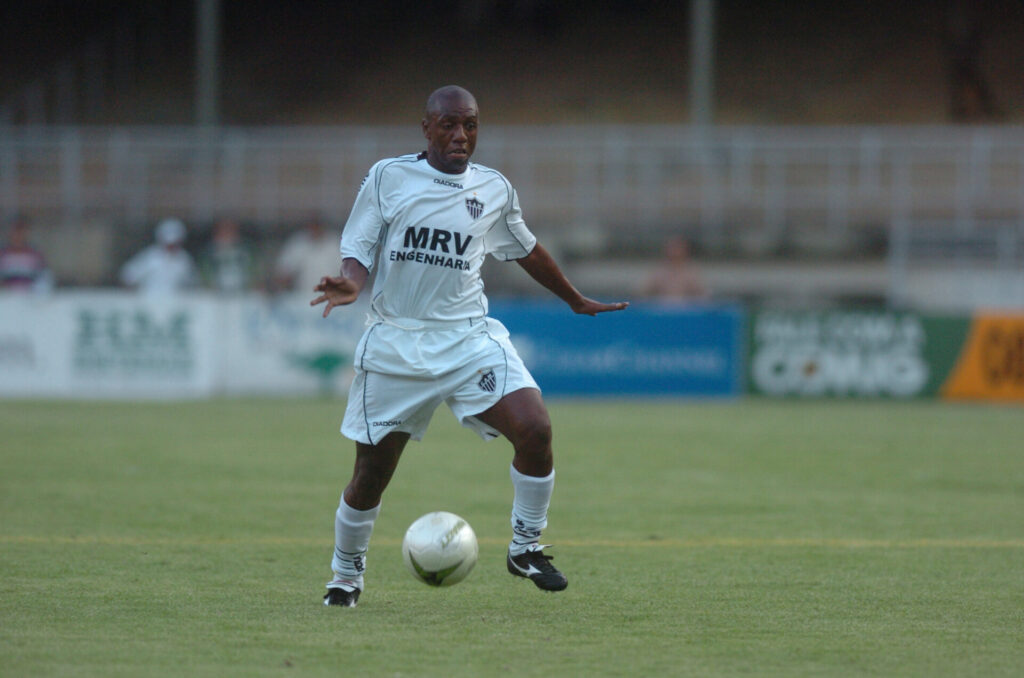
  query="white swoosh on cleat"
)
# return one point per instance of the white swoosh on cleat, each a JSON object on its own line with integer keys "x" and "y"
{"x": 528, "y": 571}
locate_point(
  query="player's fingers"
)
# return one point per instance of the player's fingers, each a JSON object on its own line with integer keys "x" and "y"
{"x": 319, "y": 300}
{"x": 618, "y": 306}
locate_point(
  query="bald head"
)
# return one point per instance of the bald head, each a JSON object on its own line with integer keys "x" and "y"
{"x": 449, "y": 97}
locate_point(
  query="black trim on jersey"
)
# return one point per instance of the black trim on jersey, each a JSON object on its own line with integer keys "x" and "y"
{"x": 385, "y": 225}
{"x": 380, "y": 172}
{"x": 382, "y": 236}
{"x": 508, "y": 207}
{"x": 422, "y": 156}
{"x": 375, "y": 173}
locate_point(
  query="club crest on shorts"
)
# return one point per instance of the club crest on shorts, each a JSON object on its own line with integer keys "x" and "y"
{"x": 474, "y": 207}
{"x": 488, "y": 381}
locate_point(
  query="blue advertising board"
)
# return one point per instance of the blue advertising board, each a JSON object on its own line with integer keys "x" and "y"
{"x": 646, "y": 350}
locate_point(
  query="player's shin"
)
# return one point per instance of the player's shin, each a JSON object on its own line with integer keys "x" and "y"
{"x": 529, "y": 509}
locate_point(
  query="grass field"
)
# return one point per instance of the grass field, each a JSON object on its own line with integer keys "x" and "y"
{"x": 700, "y": 539}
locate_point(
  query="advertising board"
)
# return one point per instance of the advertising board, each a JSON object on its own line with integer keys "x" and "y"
{"x": 648, "y": 350}
{"x": 849, "y": 354}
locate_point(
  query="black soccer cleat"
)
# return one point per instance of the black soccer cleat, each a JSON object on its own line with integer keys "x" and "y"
{"x": 341, "y": 597}
{"x": 537, "y": 567}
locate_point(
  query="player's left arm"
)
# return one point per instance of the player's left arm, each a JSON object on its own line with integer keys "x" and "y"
{"x": 543, "y": 268}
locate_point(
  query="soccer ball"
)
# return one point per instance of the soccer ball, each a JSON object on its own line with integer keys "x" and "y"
{"x": 440, "y": 549}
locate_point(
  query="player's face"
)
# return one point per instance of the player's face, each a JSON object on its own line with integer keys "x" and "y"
{"x": 451, "y": 134}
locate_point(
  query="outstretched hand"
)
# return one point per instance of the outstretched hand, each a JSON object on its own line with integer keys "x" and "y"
{"x": 336, "y": 291}
{"x": 587, "y": 306}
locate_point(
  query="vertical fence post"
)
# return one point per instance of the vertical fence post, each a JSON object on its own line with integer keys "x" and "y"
{"x": 900, "y": 231}
{"x": 71, "y": 176}
{"x": 9, "y": 178}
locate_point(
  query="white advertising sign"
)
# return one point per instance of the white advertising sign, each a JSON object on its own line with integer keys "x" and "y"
{"x": 119, "y": 345}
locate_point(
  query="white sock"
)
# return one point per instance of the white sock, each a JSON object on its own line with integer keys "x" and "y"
{"x": 529, "y": 509}
{"x": 352, "y": 530}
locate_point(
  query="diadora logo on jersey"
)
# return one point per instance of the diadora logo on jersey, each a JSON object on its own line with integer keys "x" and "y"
{"x": 435, "y": 240}
{"x": 474, "y": 207}
{"x": 389, "y": 422}
{"x": 449, "y": 184}
{"x": 488, "y": 382}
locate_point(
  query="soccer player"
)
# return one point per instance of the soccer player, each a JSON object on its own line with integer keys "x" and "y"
{"x": 425, "y": 222}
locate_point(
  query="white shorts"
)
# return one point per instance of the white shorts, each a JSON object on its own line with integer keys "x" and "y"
{"x": 404, "y": 374}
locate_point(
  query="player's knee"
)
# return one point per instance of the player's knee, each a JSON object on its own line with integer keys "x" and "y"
{"x": 533, "y": 434}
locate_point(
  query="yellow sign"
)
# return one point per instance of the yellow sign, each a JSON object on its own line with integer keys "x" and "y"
{"x": 991, "y": 366}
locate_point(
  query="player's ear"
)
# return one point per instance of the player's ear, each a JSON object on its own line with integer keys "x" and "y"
{"x": 425, "y": 123}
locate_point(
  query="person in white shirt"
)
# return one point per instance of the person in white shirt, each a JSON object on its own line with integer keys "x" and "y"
{"x": 425, "y": 223}
{"x": 164, "y": 267}
{"x": 306, "y": 254}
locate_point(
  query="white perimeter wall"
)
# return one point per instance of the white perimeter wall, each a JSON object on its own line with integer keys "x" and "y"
{"x": 110, "y": 344}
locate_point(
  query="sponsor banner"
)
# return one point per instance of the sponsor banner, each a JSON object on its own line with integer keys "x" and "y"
{"x": 851, "y": 353}
{"x": 98, "y": 344}
{"x": 282, "y": 345}
{"x": 644, "y": 350}
{"x": 127, "y": 346}
{"x": 991, "y": 365}
{"x": 117, "y": 344}
{"x": 35, "y": 358}
{"x": 114, "y": 344}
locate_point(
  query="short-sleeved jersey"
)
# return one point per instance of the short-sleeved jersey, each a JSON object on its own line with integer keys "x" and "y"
{"x": 156, "y": 270}
{"x": 427, "y": 232}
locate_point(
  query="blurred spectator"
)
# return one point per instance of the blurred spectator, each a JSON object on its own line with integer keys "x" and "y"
{"x": 676, "y": 277}
{"x": 23, "y": 268}
{"x": 307, "y": 256}
{"x": 227, "y": 265}
{"x": 164, "y": 267}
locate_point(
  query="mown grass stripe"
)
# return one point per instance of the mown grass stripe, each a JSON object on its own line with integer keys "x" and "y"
{"x": 696, "y": 542}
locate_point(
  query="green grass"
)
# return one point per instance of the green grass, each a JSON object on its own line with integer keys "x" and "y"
{"x": 700, "y": 539}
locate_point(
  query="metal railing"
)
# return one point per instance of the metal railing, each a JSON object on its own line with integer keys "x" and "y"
{"x": 761, "y": 186}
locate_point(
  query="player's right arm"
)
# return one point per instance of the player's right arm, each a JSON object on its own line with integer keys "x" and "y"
{"x": 359, "y": 243}
{"x": 343, "y": 289}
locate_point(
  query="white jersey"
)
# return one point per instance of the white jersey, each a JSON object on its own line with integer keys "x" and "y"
{"x": 156, "y": 270}
{"x": 427, "y": 232}
{"x": 305, "y": 259}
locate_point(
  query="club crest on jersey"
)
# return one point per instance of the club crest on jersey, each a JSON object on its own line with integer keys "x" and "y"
{"x": 474, "y": 207}
{"x": 488, "y": 382}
